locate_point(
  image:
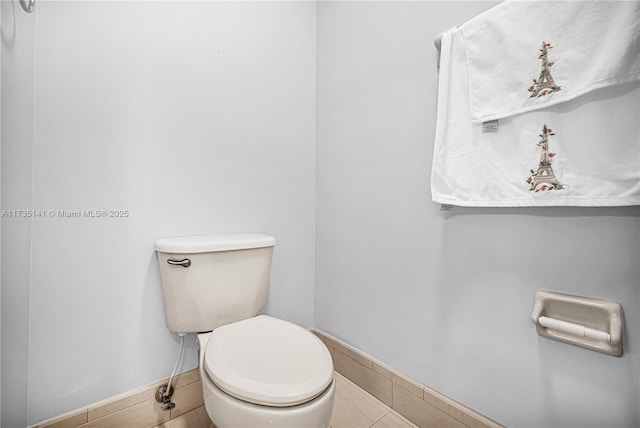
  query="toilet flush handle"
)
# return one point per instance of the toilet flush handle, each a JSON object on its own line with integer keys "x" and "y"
{"x": 183, "y": 262}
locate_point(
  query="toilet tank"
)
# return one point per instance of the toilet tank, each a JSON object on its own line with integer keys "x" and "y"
{"x": 212, "y": 280}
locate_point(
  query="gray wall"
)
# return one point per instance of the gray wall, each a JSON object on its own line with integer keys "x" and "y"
{"x": 196, "y": 117}
{"x": 446, "y": 297}
{"x": 17, "y": 135}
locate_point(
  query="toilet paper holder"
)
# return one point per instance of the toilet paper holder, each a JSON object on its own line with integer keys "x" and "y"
{"x": 590, "y": 323}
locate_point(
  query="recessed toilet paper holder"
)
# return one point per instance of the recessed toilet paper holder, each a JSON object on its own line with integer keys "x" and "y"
{"x": 582, "y": 321}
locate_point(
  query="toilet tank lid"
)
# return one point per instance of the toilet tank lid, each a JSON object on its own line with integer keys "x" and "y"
{"x": 212, "y": 243}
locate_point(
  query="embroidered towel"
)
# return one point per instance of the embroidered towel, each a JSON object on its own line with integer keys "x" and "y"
{"x": 583, "y": 150}
{"x": 583, "y": 45}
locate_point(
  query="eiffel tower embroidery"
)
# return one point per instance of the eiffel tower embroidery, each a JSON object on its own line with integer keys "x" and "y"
{"x": 544, "y": 85}
{"x": 544, "y": 179}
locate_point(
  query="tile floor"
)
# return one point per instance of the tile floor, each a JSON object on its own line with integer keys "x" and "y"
{"x": 353, "y": 408}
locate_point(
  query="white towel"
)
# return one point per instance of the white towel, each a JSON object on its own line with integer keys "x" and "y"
{"x": 580, "y": 150}
{"x": 588, "y": 44}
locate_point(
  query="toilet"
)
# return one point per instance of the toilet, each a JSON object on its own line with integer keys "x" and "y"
{"x": 256, "y": 370}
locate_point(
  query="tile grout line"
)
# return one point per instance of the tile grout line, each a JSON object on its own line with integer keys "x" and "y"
{"x": 380, "y": 418}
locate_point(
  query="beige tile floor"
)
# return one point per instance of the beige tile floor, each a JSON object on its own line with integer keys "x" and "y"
{"x": 353, "y": 408}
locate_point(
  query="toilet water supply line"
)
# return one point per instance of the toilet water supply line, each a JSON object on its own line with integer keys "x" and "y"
{"x": 177, "y": 363}
{"x": 164, "y": 393}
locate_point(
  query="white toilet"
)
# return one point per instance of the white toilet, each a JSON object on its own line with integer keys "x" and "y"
{"x": 257, "y": 371}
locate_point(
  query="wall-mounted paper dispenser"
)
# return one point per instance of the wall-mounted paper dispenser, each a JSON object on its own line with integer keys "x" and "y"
{"x": 582, "y": 321}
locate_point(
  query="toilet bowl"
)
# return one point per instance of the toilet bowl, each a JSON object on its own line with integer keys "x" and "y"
{"x": 256, "y": 370}
{"x": 266, "y": 372}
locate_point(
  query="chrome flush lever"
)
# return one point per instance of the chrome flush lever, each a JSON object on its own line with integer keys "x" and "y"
{"x": 184, "y": 262}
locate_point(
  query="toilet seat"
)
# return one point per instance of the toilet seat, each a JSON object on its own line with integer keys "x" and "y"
{"x": 268, "y": 361}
